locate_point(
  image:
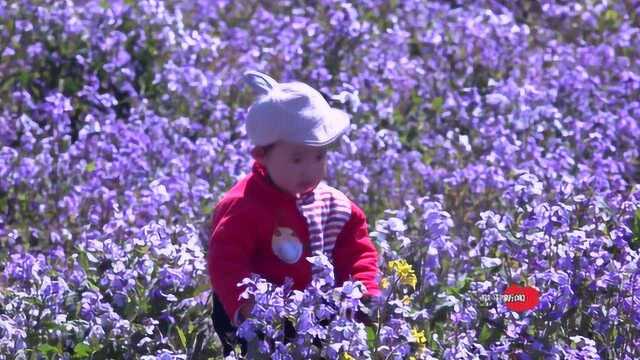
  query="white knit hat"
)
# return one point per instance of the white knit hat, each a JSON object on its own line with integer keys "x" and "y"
{"x": 293, "y": 112}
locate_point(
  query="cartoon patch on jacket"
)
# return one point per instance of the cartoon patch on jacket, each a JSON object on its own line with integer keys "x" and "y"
{"x": 286, "y": 245}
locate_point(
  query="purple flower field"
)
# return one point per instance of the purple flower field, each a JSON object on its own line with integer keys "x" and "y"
{"x": 492, "y": 143}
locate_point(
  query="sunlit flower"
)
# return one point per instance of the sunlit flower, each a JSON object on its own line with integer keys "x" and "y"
{"x": 404, "y": 271}
{"x": 418, "y": 336}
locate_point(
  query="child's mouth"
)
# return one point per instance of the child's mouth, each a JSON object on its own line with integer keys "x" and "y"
{"x": 305, "y": 186}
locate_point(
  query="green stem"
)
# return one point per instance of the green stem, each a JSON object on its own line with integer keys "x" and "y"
{"x": 394, "y": 349}
{"x": 395, "y": 283}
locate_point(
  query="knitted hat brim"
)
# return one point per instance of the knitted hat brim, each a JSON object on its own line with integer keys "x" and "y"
{"x": 339, "y": 121}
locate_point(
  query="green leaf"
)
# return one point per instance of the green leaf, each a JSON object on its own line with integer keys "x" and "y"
{"x": 142, "y": 299}
{"x": 142, "y": 249}
{"x": 130, "y": 310}
{"x": 635, "y": 229}
{"x": 72, "y": 86}
{"x": 84, "y": 260}
{"x": 611, "y": 15}
{"x": 427, "y": 158}
{"x": 22, "y": 197}
{"x": 488, "y": 335}
{"x": 81, "y": 350}
{"x": 437, "y": 103}
{"x": 398, "y": 118}
{"x": 610, "y": 19}
{"x": 485, "y": 334}
{"x": 51, "y": 325}
{"x": 415, "y": 98}
{"x": 48, "y": 349}
{"x": 201, "y": 288}
{"x": 371, "y": 338}
{"x": 25, "y": 78}
{"x": 460, "y": 288}
{"x": 92, "y": 282}
{"x": 183, "y": 339}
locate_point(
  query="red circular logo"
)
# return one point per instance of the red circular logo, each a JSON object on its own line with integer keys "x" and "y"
{"x": 521, "y": 299}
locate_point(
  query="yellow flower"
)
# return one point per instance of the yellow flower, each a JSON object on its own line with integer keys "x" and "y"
{"x": 406, "y": 300}
{"x": 346, "y": 356}
{"x": 418, "y": 335}
{"x": 404, "y": 271}
{"x": 384, "y": 283}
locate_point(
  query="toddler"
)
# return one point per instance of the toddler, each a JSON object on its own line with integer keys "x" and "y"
{"x": 282, "y": 212}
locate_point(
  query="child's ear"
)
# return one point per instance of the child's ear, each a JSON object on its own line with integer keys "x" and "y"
{"x": 333, "y": 146}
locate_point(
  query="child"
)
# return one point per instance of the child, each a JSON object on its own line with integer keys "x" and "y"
{"x": 270, "y": 221}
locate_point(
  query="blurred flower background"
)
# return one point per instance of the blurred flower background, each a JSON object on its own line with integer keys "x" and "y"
{"x": 493, "y": 142}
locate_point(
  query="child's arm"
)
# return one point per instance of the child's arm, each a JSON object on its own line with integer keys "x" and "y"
{"x": 231, "y": 247}
{"x": 355, "y": 255}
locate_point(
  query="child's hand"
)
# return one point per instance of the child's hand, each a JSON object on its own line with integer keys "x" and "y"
{"x": 361, "y": 316}
{"x": 364, "y": 318}
{"x": 245, "y": 311}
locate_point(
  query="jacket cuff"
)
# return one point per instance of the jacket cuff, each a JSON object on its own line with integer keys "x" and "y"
{"x": 373, "y": 292}
{"x": 237, "y": 318}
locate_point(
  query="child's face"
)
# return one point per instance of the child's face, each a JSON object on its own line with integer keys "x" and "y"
{"x": 295, "y": 168}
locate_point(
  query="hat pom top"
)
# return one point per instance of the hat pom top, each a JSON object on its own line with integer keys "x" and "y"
{"x": 261, "y": 83}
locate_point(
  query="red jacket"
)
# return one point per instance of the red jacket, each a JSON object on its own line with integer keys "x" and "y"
{"x": 255, "y": 217}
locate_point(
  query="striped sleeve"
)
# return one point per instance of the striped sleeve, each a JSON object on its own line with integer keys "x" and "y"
{"x": 355, "y": 255}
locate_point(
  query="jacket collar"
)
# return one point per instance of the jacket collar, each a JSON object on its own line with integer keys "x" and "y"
{"x": 260, "y": 172}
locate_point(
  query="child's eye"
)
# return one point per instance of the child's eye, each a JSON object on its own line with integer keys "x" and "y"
{"x": 321, "y": 156}
{"x": 296, "y": 161}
